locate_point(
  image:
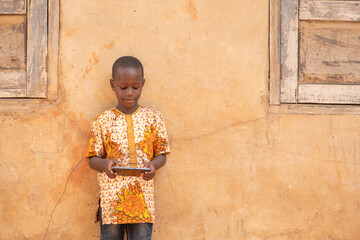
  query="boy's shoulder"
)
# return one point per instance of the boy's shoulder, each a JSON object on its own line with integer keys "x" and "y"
{"x": 151, "y": 110}
{"x": 106, "y": 115}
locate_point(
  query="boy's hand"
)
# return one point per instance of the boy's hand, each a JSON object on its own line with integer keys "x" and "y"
{"x": 108, "y": 164}
{"x": 149, "y": 175}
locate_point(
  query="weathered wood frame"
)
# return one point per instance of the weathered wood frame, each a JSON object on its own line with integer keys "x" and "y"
{"x": 330, "y": 10}
{"x": 274, "y": 52}
{"x": 289, "y": 54}
{"x": 36, "y": 48}
{"x": 278, "y": 100}
{"x": 42, "y": 50}
{"x": 53, "y": 49}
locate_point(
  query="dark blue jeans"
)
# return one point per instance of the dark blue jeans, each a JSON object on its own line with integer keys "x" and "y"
{"x": 136, "y": 231}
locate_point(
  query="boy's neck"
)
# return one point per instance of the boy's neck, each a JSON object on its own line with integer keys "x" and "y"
{"x": 127, "y": 111}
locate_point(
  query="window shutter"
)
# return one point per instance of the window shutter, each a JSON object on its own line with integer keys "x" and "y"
{"x": 23, "y": 48}
{"x": 12, "y": 48}
{"x": 320, "y": 52}
{"x": 12, "y": 7}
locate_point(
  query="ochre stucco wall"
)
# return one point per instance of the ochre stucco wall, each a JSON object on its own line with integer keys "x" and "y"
{"x": 235, "y": 171}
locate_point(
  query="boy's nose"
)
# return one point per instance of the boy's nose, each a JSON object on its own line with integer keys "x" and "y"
{"x": 130, "y": 92}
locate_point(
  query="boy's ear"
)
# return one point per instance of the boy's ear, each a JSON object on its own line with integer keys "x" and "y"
{"x": 143, "y": 82}
{"x": 112, "y": 84}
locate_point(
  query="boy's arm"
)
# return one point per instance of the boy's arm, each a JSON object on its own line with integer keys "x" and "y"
{"x": 104, "y": 165}
{"x": 155, "y": 164}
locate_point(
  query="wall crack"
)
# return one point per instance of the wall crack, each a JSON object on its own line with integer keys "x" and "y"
{"x": 57, "y": 203}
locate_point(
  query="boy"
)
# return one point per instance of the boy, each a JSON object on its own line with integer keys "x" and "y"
{"x": 128, "y": 136}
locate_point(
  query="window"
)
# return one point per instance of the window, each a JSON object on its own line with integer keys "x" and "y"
{"x": 314, "y": 52}
{"x": 24, "y": 51}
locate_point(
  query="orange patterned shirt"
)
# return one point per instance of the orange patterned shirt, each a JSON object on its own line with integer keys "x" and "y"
{"x": 134, "y": 139}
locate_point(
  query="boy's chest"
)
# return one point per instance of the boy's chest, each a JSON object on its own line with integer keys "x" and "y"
{"x": 125, "y": 128}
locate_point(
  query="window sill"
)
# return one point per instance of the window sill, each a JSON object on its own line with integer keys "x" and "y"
{"x": 314, "y": 109}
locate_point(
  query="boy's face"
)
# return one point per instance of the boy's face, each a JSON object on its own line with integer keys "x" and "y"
{"x": 127, "y": 85}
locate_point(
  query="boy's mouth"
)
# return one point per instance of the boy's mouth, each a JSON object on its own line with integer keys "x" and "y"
{"x": 129, "y": 100}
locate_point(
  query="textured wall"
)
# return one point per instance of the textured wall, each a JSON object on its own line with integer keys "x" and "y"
{"x": 235, "y": 171}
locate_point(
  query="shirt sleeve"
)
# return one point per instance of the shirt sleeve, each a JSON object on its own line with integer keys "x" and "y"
{"x": 96, "y": 142}
{"x": 161, "y": 143}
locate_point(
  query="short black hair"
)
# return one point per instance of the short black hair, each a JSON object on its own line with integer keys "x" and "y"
{"x": 127, "y": 62}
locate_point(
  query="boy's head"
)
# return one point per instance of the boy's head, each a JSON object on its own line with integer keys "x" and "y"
{"x": 127, "y": 83}
{"x": 127, "y": 62}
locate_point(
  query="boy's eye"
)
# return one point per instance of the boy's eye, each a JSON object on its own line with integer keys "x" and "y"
{"x": 122, "y": 88}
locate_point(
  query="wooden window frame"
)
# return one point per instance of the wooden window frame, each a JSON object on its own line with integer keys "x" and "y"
{"x": 289, "y": 106}
{"x": 42, "y": 52}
